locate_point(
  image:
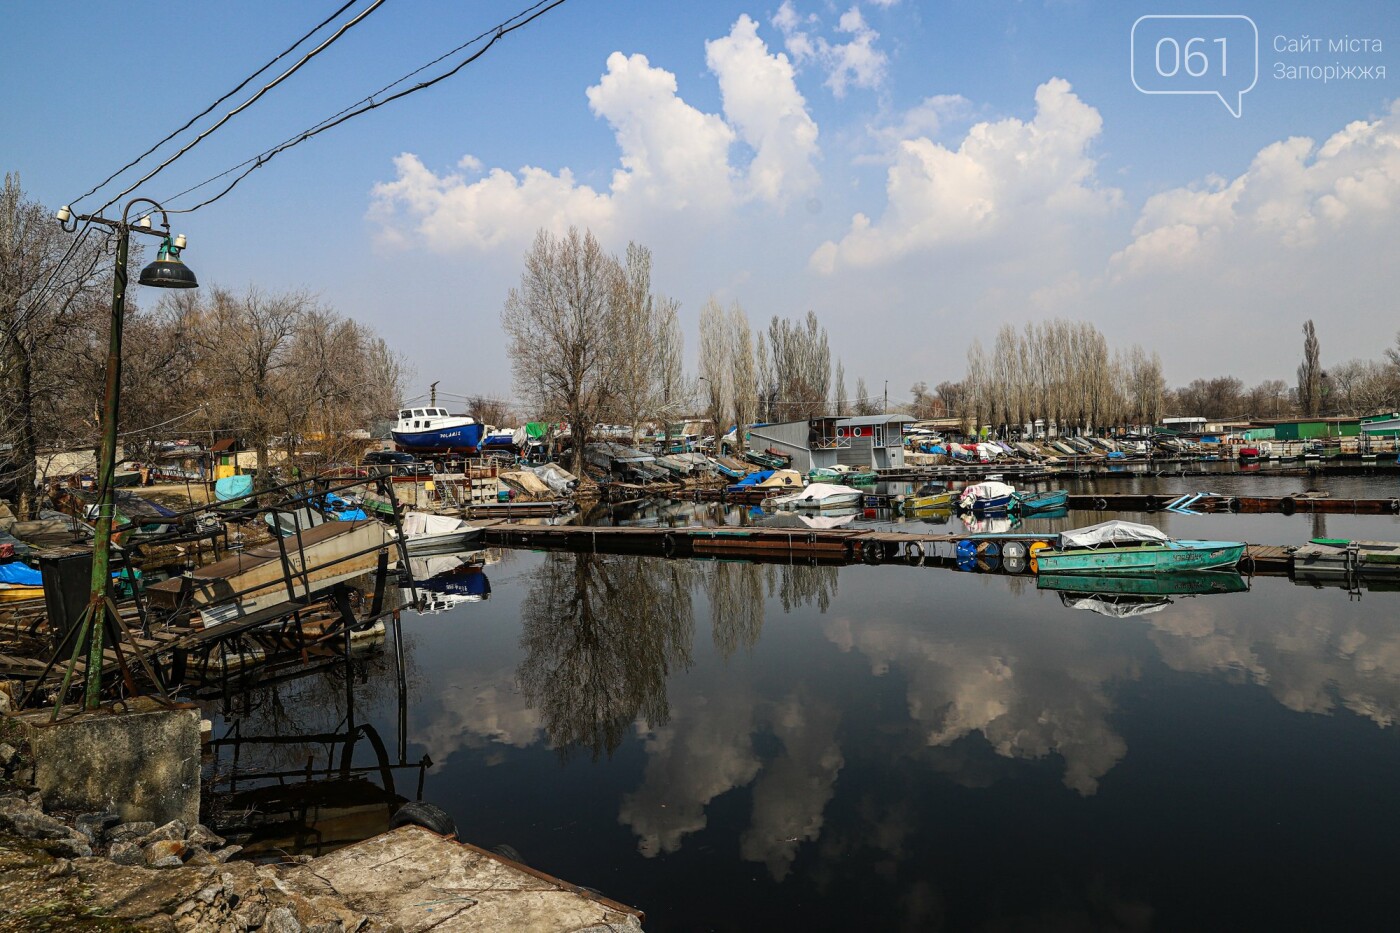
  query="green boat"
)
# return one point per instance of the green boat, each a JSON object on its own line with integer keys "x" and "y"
{"x": 1129, "y": 548}
{"x": 1189, "y": 583}
{"x": 845, "y": 477}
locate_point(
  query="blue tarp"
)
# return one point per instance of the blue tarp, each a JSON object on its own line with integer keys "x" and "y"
{"x": 20, "y": 574}
{"x": 754, "y": 478}
{"x": 233, "y": 487}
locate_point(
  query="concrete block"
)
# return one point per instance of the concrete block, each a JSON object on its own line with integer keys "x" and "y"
{"x": 142, "y": 762}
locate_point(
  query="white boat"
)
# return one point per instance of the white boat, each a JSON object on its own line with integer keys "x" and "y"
{"x": 425, "y": 532}
{"x": 817, "y": 496}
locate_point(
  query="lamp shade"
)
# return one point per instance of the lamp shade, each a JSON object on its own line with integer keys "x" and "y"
{"x": 168, "y": 271}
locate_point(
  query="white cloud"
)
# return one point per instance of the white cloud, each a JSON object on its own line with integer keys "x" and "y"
{"x": 762, "y": 102}
{"x": 856, "y": 62}
{"x": 674, "y": 159}
{"x": 1294, "y": 196}
{"x": 1004, "y": 175}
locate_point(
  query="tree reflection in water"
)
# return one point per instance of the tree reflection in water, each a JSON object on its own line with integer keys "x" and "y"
{"x": 601, "y": 633}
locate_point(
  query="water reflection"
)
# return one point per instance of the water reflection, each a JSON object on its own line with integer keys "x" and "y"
{"x": 600, "y": 635}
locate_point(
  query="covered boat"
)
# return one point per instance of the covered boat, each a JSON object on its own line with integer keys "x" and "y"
{"x": 1128, "y": 547}
{"x": 987, "y": 496}
{"x": 817, "y": 496}
{"x": 425, "y": 532}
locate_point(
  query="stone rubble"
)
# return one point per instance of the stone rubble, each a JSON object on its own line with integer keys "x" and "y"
{"x": 170, "y": 878}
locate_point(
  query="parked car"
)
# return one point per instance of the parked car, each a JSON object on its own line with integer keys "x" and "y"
{"x": 396, "y": 463}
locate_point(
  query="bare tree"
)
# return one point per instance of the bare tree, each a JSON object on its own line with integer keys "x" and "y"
{"x": 843, "y": 404}
{"x": 801, "y": 367}
{"x": 716, "y": 366}
{"x": 47, "y": 276}
{"x": 558, "y": 326}
{"x": 1310, "y": 373}
{"x": 865, "y": 404}
{"x": 743, "y": 372}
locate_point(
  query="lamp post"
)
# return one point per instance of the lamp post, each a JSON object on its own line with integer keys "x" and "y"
{"x": 167, "y": 271}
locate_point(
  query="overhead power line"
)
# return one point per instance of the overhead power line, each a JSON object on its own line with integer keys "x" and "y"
{"x": 366, "y": 104}
{"x": 207, "y": 110}
{"x": 330, "y": 40}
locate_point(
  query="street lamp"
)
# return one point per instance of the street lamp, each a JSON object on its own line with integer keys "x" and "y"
{"x": 167, "y": 271}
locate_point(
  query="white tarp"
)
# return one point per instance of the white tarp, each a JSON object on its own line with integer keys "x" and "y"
{"x": 558, "y": 479}
{"x": 416, "y": 524}
{"x": 988, "y": 489}
{"x": 818, "y": 493}
{"x": 1105, "y": 606}
{"x": 1114, "y": 532}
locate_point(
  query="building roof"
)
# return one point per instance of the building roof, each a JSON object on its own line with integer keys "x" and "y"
{"x": 874, "y": 419}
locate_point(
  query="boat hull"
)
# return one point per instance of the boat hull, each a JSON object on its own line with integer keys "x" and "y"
{"x": 461, "y": 439}
{"x": 1188, "y": 583}
{"x": 942, "y": 500}
{"x": 1041, "y": 501}
{"x": 1164, "y": 558}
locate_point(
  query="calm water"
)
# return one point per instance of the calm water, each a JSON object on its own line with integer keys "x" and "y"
{"x": 731, "y": 746}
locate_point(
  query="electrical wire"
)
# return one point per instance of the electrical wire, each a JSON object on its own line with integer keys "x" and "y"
{"x": 330, "y": 40}
{"x": 267, "y": 153}
{"x": 262, "y": 159}
{"x": 207, "y": 110}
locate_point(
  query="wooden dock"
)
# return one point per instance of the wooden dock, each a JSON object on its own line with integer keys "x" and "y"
{"x": 788, "y": 545}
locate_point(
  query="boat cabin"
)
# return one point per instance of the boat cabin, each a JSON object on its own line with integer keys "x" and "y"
{"x": 876, "y": 441}
{"x": 422, "y": 419}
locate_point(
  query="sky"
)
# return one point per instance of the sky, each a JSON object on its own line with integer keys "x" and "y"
{"x": 918, "y": 174}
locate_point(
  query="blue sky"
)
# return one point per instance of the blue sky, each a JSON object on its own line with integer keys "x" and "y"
{"x": 917, "y": 173}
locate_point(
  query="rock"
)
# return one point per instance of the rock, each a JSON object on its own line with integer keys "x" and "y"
{"x": 200, "y": 858}
{"x": 75, "y": 845}
{"x": 8, "y": 755}
{"x": 61, "y": 868}
{"x": 9, "y": 807}
{"x": 282, "y": 920}
{"x": 226, "y": 853}
{"x": 252, "y": 916}
{"x": 208, "y": 893}
{"x": 202, "y": 835}
{"x": 169, "y": 861}
{"x": 36, "y": 825}
{"x": 175, "y": 830}
{"x": 163, "y": 849}
{"x": 126, "y": 853}
{"x": 129, "y": 832}
{"x": 6, "y": 704}
{"x": 95, "y": 825}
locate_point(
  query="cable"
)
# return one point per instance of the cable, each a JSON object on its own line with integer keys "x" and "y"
{"x": 205, "y": 112}
{"x": 370, "y": 97}
{"x": 246, "y": 104}
{"x": 261, "y": 160}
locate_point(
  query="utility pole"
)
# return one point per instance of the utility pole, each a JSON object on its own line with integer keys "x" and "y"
{"x": 432, "y": 394}
{"x": 887, "y": 397}
{"x": 166, "y": 272}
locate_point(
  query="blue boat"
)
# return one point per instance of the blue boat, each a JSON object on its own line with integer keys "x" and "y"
{"x": 1029, "y": 503}
{"x": 433, "y": 430}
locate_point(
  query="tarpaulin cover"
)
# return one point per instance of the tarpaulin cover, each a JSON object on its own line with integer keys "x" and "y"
{"x": 426, "y": 523}
{"x": 1114, "y": 532}
{"x": 987, "y": 489}
{"x": 18, "y": 574}
{"x": 233, "y": 487}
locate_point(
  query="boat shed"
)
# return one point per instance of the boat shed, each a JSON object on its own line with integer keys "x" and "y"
{"x": 876, "y": 441}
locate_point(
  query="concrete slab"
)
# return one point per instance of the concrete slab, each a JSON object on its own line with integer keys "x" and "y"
{"x": 142, "y": 762}
{"x": 421, "y": 881}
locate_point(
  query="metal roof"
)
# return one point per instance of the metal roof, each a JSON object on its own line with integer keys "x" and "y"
{"x": 873, "y": 419}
